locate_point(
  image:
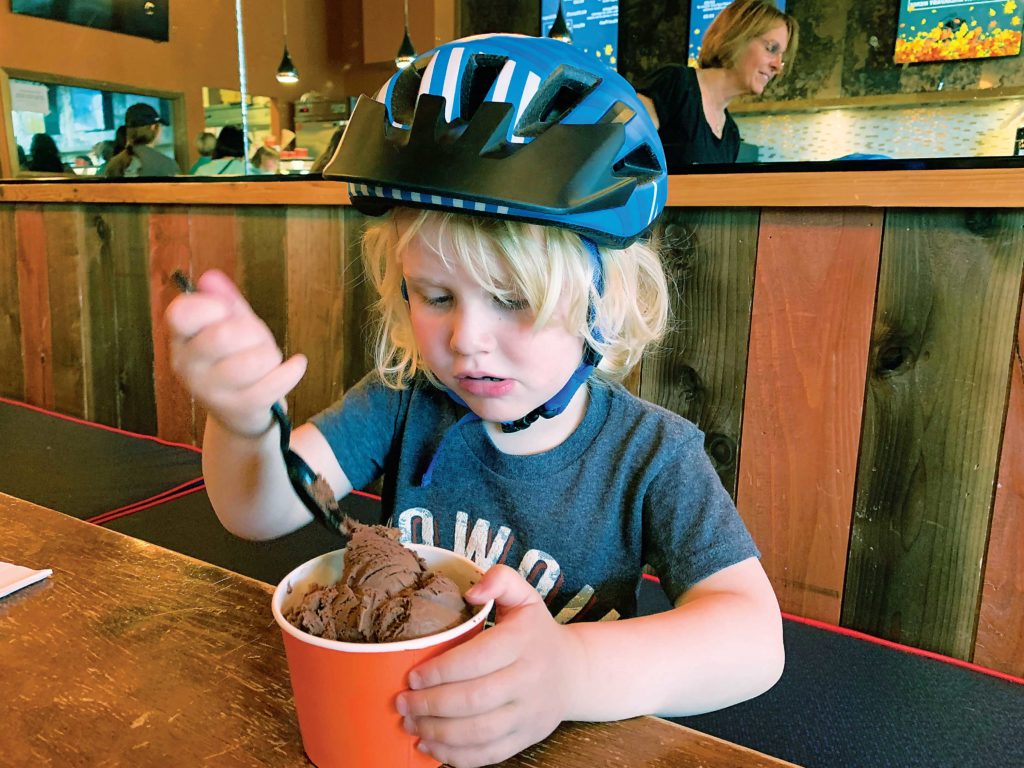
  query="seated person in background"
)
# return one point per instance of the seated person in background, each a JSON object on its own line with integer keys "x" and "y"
{"x": 744, "y": 49}
{"x": 43, "y": 155}
{"x": 138, "y": 158}
{"x": 325, "y": 157}
{"x": 22, "y": 158}
{"x": 206, "y": 142}
{"x": 265, "y": 161}
{"x": 228, "y": 154}
{"x": 102, "y": 151}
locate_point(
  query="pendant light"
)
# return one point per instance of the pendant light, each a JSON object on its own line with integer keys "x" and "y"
{"x": 560, "y": 28}
{"x": 286, "y": 71}
{"x": 406, "y": 53}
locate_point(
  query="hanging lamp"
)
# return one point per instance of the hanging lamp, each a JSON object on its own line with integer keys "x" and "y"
{"x": 560, "y": 28}
{"x": 286, "y": 71}
{"x": 406, "y": 53}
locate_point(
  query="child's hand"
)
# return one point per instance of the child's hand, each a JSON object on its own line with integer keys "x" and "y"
{"x": 504, "y": 690}
{"x": 227, "y": 357}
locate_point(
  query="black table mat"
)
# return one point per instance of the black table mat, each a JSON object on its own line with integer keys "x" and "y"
{"x": 84, "y": 469}
{"x": 848, "y": 702}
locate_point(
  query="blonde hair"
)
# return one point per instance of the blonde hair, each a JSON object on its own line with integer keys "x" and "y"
{"x": 519, "y": 261}
{"x": 740, "y": 22}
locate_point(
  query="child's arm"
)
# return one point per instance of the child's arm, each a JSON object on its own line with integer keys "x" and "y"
{"x": 229, "y": 360}
{"x": 512, "y": 685}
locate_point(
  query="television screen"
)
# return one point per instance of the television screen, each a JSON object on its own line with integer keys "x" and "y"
{"x": 702, "y": 13}
{"x": 593, "y": 24}
{"x": 938, "y": 30}
{"x": 130, "y": 17}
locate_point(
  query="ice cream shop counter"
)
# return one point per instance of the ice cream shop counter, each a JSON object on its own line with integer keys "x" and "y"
{"x": 848, "y": 339}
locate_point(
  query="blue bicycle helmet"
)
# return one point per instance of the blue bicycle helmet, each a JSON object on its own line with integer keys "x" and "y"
{"x": 512, "y": 127}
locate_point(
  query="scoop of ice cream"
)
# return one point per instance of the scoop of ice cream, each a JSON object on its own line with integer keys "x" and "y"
{"x": 374, "y": 559}
{"x": 385, "y": 594}
{"x": 436, "y": 605}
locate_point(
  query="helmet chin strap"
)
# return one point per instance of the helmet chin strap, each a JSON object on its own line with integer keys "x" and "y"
{"x": 560, "y": 401}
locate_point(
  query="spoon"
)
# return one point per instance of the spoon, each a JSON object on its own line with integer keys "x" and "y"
{"x": 313, "y": 491}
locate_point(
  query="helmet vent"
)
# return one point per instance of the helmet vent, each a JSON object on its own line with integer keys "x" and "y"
{"x": 618, "y": 113}
{"x": 403, "y": 97}
{"x": 641, "y": 163}
{"x": 481, "y": 72}
{"x": 564, "y": 89}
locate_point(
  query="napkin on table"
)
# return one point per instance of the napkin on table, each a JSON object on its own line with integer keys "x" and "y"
{"x": 14, "y": 577}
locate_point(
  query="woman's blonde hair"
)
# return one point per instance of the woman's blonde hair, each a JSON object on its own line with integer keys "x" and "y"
{"x": 739, "y": 23}
{"x": 518, "y": 261}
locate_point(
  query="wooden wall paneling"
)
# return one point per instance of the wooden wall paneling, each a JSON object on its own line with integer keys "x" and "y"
{"x": 700, "y": 369}
{"x": 1000, "y": 638}
{"x": 360, "y": 296}
{"x": 262, "y": 266}
{"x": 213, "y": 244}
{"x": 34, "y": 300}
{"x": 811, "y": 323}
{"x": 169, "y": 250}
{"x": 119, "y": 302}
{"x": 12, "y": 369}
{"x": 100, "y": 318}
{"x": 316, "y": 305}
{"x": 936, "y": 394}
{"x": 66, "y": 267}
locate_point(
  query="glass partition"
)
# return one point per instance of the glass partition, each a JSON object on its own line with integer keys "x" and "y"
{"x": 843, "y": 97}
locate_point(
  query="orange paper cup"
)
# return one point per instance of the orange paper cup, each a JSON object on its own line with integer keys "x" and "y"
{"x": 345, "y": 692}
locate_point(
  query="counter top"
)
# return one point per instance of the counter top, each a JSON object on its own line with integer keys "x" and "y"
{"x": 981, "y": 183}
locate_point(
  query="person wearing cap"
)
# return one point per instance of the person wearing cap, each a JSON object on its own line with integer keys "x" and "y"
{"x": 139, "y": 159}
{"x": 516, "y": 180}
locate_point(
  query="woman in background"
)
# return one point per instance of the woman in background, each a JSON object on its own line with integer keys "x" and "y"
{"x": 745, "y": 48}
{"x": 228, "y": 154}
{"x": 43, "y": 155}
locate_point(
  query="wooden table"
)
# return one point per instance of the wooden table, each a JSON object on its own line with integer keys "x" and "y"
{"x": 131, "y": 654}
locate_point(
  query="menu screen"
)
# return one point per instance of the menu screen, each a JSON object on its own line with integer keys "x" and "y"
{"x": 593, "y": 24}
{"x": 941, "y": 30}
{"x": 702, "y": 13}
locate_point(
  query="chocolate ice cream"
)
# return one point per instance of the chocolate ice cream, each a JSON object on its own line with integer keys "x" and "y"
{"x": 385, "y": 594}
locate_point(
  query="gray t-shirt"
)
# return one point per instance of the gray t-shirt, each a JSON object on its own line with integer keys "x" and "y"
{"x": 150, "y": 162}
{"x": 631, "y": 486}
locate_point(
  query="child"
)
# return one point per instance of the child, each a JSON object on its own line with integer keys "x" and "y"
{"x": 483, "y": 417}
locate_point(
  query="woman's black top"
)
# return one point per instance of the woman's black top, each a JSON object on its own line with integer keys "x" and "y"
{"x": 684, "y": 130}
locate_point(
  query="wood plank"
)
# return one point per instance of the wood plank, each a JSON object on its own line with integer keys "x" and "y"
{"x": 100, "y": 319}
{"x": 813, "y": 302}
{"x": 261, "y": 269}
{"x": 130, "y": 250}
{"x": 213, "y": 240}
{"x": 65, "y": 270}
{"x": 117, "y": 298}
{"x": 168, "y": 251}
{"x": 34, "y": 300}
{"x": 12, "y": 367}
{"x": 360, "y": 296}
{"x": 937, "y": 376}
{"x": 700, "y": 369}
{"x": 1000, "y": 640}
{"x": 316, "y": 304}
{"x": 919, "y": 188}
